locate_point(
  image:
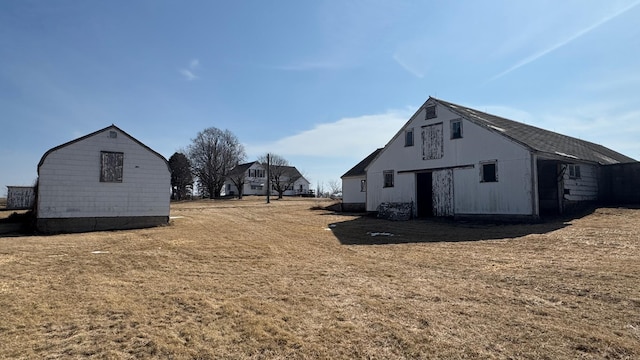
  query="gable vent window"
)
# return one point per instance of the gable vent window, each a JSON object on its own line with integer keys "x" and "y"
{"x": 408, "y": 137}
{"x": 489, "y": 171}
{"x": 111, "y": 164}
{"x": 430, "y": 112}
{"x": 574, "y": 171}
{"x": 456, "y": 129}
{"x": 113, "y": 134}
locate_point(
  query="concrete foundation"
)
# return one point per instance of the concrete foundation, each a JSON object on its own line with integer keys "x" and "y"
{"x": 75, "y": 225}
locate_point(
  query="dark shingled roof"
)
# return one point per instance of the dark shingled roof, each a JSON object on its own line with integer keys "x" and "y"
{"x": 240, "y": 168}
{"x": 540, "y": 140}
{"x": 359, "y": 169}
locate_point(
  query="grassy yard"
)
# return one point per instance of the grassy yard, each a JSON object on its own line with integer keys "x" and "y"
{"x": 244, "y": 279}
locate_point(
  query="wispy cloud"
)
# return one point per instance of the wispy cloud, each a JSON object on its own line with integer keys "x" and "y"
{"x": 411, "y": 69}
{"x": 564, "y": 42}
{"x": 352, "y": 137}
{"x": 311, "y": 65}
{"x": 189, "y": 72}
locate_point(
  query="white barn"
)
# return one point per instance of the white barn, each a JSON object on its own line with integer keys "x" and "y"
{"x": 450, "y": 160}
{"x": 105, "y": 180}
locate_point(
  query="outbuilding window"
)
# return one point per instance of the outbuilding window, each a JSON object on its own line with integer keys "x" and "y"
{"x": 574, "y": 171}
{"x": 111, "y": 164}
{"x": 489, "y": 171}
{"x": 388, "y": 178}
{"x": 363, "y": 185}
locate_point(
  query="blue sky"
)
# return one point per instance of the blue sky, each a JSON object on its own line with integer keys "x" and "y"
{"x": 322, "y": 83}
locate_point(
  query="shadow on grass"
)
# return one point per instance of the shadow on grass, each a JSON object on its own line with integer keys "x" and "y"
{"x": 368, "y": 230}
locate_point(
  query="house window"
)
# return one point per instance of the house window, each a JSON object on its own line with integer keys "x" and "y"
{"x": 456, "y": 129}
{"x": 111, "y": 164}
{"x": 408, "y": 137}
{"x": 259, "y": 173}
{"x": 489, "y": 171}
{"x": 388, "y": 178}
{"x": 256, "y": 187}
{"x": 574, "y": 171}
{"x": 430, "y": 112}
{"x": 363, "y": 185}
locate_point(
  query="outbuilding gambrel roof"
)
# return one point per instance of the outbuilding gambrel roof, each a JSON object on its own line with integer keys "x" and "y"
{"x": 110, "y": 127}
{"x": 544, "y": 142}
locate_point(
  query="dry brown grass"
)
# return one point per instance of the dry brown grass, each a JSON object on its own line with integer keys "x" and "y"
{"x": 243, "y": 279}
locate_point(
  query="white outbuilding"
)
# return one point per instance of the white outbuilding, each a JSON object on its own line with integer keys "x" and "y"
{"x": 105, "y": 180}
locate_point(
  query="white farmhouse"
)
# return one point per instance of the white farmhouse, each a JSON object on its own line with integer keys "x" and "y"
{"x": 254, "y": 176}
{"x": 450, "y": 160}
{"x": 102, "y": 181}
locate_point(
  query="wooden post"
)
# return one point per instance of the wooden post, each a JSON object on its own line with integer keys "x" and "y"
{"x": 268, "y": 179}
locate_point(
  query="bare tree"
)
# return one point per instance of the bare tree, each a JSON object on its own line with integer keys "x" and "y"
{"x": 282, "y": 176}
{"x": 181, "y": 176}
{"x": 238, "y": 178}
{"x": 213, "y": 154}
{"x": 335, "y": 187}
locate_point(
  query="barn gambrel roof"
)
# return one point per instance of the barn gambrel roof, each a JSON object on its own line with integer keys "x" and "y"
{"x": 539, "y": 140}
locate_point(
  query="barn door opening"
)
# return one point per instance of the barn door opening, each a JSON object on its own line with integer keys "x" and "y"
{"x": 424, "y": 194}
{"x": 548, "y": 187}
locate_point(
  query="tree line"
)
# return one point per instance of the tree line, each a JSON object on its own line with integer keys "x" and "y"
{"x": 209, "y": 161}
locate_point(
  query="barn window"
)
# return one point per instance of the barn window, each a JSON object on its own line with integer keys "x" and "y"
{"x": 363, "y": 185}
{"x": 113, "y": 134}
{"x": 430, "y": 112}
{"x": 489, "y": 171}
{"x": 574, "y": 171}
{"x": 111, "y": 164}
{"x": 456, "y": 129}
{"x": 388, "y": 178}
{"x": 408, "y": 137}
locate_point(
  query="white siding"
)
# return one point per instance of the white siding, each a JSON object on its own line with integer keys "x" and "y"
{"x": 70, "y": 187}
{"x": 511, "y": 194}
{"x": 583, "y": 189}
{"x": 351, "y": 193}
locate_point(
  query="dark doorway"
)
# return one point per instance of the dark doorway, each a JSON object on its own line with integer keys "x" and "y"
{"x": 548, "y": 197}
{"x": 424, "y": 194}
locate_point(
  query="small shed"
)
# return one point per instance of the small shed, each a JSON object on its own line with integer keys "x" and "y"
{"x": 105, "y": 180}
{"x": 20, "y": 197}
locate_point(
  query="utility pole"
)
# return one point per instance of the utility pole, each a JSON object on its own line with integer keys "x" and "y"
{"x": 268, "y": 179}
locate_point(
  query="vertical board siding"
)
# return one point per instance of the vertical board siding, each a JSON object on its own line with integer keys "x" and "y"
{"x": 442, "y": 185}
{"x": 583, "y": 189}
{"x": 432, "y": 142}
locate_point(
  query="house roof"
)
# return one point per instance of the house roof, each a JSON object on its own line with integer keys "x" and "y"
{"x": 289, "y": 171}
{"x": 241, "y": 168}
{"x": 360, "y": 168}
{"x": 95, "y": 133}
{"x": 540, "y": 140}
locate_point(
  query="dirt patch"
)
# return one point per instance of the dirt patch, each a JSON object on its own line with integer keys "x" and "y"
{"x": 245, "y": 279}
